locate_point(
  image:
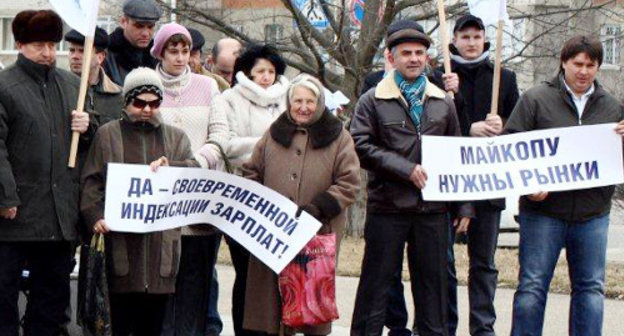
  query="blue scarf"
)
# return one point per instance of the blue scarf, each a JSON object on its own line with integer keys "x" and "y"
{"x": 414, "y": 93}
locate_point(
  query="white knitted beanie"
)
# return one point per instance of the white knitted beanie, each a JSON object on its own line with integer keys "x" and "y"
{"x": 142, "y": 80}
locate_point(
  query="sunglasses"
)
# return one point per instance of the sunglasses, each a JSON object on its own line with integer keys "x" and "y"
{"x": 140, "y": 103}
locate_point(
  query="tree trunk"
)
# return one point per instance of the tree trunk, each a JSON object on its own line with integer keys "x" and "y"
{"x": 356, "y": 216}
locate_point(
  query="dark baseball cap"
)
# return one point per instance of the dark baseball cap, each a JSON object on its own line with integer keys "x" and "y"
{"x": 197, "y": 38}
{"x": 142, "y": 10}
{"x": 100, "y": 40}
{"x": 468, "y": 20}
{"x": 402, "y": 31}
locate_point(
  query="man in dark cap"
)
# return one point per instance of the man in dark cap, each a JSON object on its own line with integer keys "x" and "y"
{"x": 195, "y": 61}
{"x": 130, "y": 44}
{"x": 470, "y": 61}
{"x": 103, "y": 96}
{"x": 386, "y": 127}
{"x": 38, "y": 192}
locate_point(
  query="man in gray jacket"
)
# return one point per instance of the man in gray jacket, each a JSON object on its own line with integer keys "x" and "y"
{"x": 577, "y": 220}
{"x": 386, "y": 128}
{"x": 38, "y": 192}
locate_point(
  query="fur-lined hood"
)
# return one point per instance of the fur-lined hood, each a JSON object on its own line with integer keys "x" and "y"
{"x": 257, "y": 94}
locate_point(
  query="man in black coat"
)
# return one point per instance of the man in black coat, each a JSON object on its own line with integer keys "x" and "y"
{"x": 38, "y": 192}
{"x": 470, "y": 60}
{"x": 104, "y": 101}
{"x": 130, "y": 44}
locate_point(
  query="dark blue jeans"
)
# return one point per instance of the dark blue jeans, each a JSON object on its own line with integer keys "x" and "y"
{"x": 541, "y": 241}
{"x": 482, "y": 272}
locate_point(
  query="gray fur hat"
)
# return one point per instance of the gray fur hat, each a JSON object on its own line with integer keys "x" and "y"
{"x": 142, "y": 80}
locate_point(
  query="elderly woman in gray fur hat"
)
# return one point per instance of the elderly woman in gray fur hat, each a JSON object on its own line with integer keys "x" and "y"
{"x": 322, "y": 176}
{"x": 142, "y": 268}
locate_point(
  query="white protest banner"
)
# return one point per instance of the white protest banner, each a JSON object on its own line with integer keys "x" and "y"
{"x": 262, "y": 220}
{"x": 487, "y": 11}
{"x": 461, "y": 168}
{"x": 78, "y": 14}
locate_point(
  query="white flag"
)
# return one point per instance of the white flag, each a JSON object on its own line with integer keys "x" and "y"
{"x": 78, "y": 14}
{"x": 490, "y": 11}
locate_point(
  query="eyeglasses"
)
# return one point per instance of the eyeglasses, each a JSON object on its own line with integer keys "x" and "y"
{"x": 140, "y": 103}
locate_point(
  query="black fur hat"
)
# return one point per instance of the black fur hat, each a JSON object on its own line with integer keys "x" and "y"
{"x": 37, "y": 26}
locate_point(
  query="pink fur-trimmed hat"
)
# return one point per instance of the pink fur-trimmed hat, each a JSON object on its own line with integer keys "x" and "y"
{"x": 164, "y": 34}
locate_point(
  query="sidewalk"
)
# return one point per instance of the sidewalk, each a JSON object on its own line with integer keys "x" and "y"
{"x": 556, "y": 312}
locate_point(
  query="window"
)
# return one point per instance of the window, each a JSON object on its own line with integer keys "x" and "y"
{"x": 273, "y": 33}
{"x": 610, "y": 37}
{"x": 6, "y": 34}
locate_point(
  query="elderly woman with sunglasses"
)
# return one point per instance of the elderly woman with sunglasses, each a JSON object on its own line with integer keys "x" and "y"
{"x": 142, "y": 268}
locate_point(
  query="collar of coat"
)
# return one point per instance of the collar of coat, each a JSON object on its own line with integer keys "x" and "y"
{"x": 258, "y": 95}
{"x": 556, "y": 82}
{"x": 388, "y": 89}
{"x": 322, "y": 133}
{"x": 106, "y": 85}
{"x": 39, "y": 72}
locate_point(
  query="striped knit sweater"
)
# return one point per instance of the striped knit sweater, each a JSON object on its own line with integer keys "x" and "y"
{"x": 187, "y": 105}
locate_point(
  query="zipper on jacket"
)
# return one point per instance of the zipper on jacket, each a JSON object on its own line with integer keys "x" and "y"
{"x": 393, "y": 123}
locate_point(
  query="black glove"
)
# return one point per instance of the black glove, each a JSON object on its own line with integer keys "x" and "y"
{"x": 310, "y": 209}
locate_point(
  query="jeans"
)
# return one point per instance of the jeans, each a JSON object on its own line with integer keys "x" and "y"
{"x": 50, "y": 264}
{"x": 482, "y": 273}
{"x": 541, "y": 241}
{"x": 385, "y": 235}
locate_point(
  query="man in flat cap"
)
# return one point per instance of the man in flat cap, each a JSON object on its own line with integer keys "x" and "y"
{"x": 387, "y": 127}
{"x": 130, "y": 44}
{"x": 195, "y": 62}
{"x": 104, "y": 100}
{"x": 38, "y": 192}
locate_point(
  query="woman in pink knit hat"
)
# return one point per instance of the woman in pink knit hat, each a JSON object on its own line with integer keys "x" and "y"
{"x": 186, "y": 104}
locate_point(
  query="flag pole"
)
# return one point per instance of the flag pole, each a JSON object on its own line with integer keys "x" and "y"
{"x": 82, "y": 93}
{"x": 445, "y": 41}
{"x": 497, "y": 63}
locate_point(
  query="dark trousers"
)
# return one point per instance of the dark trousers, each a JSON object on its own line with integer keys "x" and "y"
{"x": 50, "y": 264}
{"x": 240, "y": 260}
{"x": 137, "y": 314}
{"x": 385, "y": 235}
{"x": 187, "y": 312}
{"x": 482, "y": 273}
{"x": 396, "y": 311}
{"x": 214, "y": 325}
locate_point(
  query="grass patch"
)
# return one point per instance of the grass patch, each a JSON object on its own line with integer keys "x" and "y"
{"x": 352, "y": 251}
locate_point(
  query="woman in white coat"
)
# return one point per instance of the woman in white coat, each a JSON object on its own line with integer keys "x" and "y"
{"x": 256, "y": 99}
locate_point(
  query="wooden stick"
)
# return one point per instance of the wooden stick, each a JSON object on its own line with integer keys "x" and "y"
{"x": 82, "y": 93}
{"x": 497, "y": 65}
{"x": 445, "y": 41}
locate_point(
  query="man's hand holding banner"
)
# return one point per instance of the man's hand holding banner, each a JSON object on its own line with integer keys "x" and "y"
{"x": 556, "y": 159}
{"x": 262, "y": 220}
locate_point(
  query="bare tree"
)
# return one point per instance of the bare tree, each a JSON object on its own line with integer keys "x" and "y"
{"x": 342, "y": 52}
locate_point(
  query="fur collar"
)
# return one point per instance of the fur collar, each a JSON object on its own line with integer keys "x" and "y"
{"x": 322, "y": 133}
{"x": 275, "y": 95}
